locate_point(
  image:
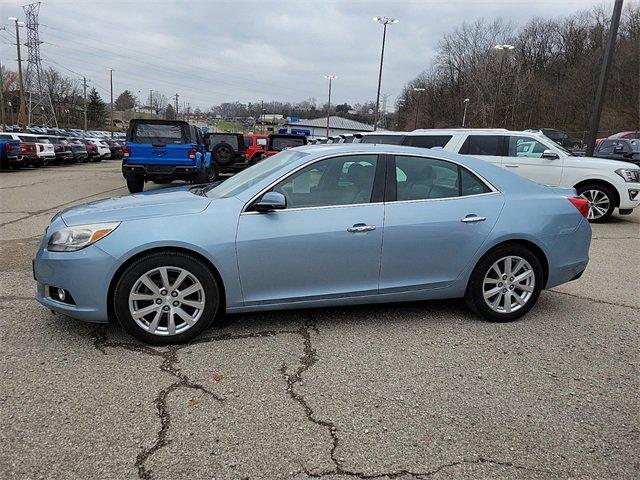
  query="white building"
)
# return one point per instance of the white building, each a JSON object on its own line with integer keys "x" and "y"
{"x": 318, "y": 127}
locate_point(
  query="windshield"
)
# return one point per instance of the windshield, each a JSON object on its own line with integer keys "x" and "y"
{"x": 252, "y": 175}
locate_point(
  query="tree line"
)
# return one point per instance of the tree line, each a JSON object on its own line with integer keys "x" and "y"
{"x": 548, "y": 80}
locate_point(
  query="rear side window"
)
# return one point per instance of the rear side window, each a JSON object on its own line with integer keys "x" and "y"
{"x": 470, "y": 184}
{"x": 427, "y": 141}
{"x": 247, "y": 142}
{"x": 420, "y": 178}
{"x": 385, "y": 139}
{"x": 280, "y": 143}
{"x": 158, "y": 133}
{"x": 482, "y": 145}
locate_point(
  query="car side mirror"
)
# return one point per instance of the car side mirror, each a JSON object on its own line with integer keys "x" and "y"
{"x": 550, "y": 154}
{"x": 271, "y": 201}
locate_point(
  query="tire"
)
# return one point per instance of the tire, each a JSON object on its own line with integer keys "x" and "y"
{"x": 37, "y": 163}
{"x": 207, "y": 175}
{"x": 600, "y": 208}
{"x": 223, "y": 154}
{"x": 135, "y": 183}
{"x": 202, "y": 309}
{"x": 529, "y": 293}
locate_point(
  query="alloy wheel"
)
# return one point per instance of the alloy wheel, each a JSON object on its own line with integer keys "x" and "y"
{"x": 508, "y": 284}
{"x": 166, "y": 301}
{"x": 598, "y": 203}
{"x": 224, "y": 154}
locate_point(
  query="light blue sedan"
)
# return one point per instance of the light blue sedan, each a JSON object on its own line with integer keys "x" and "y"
{"x": 310, "y": 227}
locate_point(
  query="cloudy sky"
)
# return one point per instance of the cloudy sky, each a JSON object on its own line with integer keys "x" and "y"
{"x": 215, "y": 51}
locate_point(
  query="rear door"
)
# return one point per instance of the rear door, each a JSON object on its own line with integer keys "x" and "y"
{"x": 437, "y": 216}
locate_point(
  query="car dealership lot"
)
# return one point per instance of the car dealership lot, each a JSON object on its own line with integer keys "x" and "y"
{"x": 404, "y": 390}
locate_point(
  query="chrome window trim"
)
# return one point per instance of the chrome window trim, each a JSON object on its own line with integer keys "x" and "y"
{"x": 488, "y": 184}
{"x": 300, "y": 167}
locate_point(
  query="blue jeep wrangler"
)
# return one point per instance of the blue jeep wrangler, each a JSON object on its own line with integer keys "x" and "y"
{"x": 165, "y": 150}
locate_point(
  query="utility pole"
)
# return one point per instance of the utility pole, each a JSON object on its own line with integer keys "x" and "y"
{"x": 151, "y": 101}
{"x": 261, "y": 116}
{"x": 22, "y": 113}
{"x": 176, "y": 104}
{"x": 2, "y": 99}
{"x": 111, "y": 88}
{"x": 84, "y": 86}
{"x": 330, "y": 78}
{"x": 609, "y": 50}
{"x": 384, "y": 21}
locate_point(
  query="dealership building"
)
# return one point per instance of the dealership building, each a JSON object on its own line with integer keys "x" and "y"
{"x": 318, "y": 126}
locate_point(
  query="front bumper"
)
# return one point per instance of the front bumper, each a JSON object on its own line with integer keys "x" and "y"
{"x": 629, "y": 195}
{"x": 85, "y": 274}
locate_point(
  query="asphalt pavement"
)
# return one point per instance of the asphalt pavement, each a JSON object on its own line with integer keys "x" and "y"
{"x": 399, "y": 391}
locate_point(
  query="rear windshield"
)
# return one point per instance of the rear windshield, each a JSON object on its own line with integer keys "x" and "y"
{"x": 230, "y": 139}
{"x": 28, "y": 139}
{"x": 158, "y": 133}
{"x": 282, "y": 143}
{"x": 386, "y": 139}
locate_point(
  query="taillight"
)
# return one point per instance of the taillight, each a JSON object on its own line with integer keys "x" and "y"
{"x": 191, "y": 154}
{"x": 581, "y": 204}
{"x": 23, "y": 148}
{"x": 125, "y": 152}
{"x": 7, "y": 147}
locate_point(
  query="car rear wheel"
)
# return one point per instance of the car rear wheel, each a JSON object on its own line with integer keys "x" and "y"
{"x": 601, "y": 202}
{"x": 166, "y": 298}
{"x": 505, "y": 284}
{"x": 135, "y": 183}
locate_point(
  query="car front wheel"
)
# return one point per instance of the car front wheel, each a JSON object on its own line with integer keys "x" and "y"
{"x": 601, "y": 202}
{"x": 505, "y": 284}
{"x": 166, "y": 298}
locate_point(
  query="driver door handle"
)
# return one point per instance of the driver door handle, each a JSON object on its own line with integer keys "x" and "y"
{"x": 511, "y": 165}
{"x": 472, "y": 219}
{"x": 361, "y": 227}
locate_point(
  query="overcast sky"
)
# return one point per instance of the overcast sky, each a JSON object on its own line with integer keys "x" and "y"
{"x": 215, "y": 51}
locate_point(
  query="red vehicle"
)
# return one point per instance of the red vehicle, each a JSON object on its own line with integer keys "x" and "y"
{"x": 278, "y": 142}
{"x": 28, "y": 154}
{"x": 255, "y": 145}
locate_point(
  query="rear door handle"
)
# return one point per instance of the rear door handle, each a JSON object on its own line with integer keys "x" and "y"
{"x": 511, "y": 165}
{"x": 361, "y": 227}
{"x": 473, "y": 219}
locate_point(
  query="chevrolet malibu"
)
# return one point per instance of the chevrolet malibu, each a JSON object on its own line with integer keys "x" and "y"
{"x": 314, "y": 227}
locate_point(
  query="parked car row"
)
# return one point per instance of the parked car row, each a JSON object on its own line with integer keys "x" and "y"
{"x": 607, "y": 183}
{"x": 39, "y": 149}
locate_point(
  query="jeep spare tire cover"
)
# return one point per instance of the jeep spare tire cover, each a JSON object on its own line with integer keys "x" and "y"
{"x": 223, "y": 154}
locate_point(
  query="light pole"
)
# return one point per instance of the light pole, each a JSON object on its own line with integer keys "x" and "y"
{"x": 111, "y": 88}
{"x": 503, "y": 49}
{"x": 384, "y": 21}
{"x": 330, "y": 78}
{"x": 464, "y": 115}
{"x": 419, "y": 90}
{"x": 22, "y": 113}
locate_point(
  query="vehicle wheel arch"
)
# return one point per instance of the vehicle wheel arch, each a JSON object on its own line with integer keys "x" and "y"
{"x": 536, "y": 249}
{"x": 169, "y": 248}
{"x": 602, "y": 183}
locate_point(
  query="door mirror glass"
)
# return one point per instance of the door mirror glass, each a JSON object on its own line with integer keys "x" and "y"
{"x": 271, "y": 201}
{"x": 550, "y": 154}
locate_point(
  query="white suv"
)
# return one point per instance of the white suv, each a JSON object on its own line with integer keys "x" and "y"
{"x": 606, "y": 184}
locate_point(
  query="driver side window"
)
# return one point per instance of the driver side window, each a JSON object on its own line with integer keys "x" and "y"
{"x": 345, "y": 180}
{"x": 526, "y": 147}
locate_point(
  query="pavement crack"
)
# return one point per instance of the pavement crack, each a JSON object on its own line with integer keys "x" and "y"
{"x": 595, "y": 300}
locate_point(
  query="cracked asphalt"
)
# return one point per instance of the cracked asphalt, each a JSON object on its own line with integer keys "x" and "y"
{"x": 400, "y": 391}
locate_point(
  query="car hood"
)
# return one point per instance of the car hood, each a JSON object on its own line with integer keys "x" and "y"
{"x": 154, "y": 203}
{"x": 600, "y": 162}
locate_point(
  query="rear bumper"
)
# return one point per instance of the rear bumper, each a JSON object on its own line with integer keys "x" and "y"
{"x": 569, "y": 255}
{"x": 150, "y": 170}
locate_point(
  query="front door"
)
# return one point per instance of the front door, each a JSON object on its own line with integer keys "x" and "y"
{"x": 325, "y": 244}
{"x": 524, "y": 157}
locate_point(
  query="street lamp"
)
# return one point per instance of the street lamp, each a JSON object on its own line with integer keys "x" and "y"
{"x": 330, "y": 78}
{"x": 503, "y": 50}
{"x": 384, "y": 21}
{"x": 464, "y": 115}
{"x": 417, "y": 89}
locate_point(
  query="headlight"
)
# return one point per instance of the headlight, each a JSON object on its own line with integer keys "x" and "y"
{"x": 74, "y": 238}
{"x": 629, "y": 175}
